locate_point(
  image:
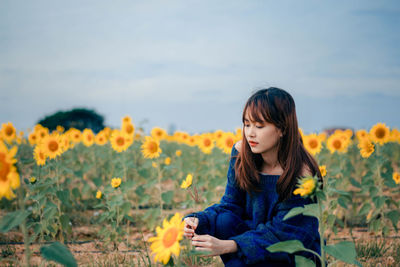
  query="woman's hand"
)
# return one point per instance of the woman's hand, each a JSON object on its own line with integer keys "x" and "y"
{"x": 190, "y": 225}
{"x": 213, "y": 245}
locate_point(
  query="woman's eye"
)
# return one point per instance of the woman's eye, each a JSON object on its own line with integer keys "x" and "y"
{"x": 259, "y": 127}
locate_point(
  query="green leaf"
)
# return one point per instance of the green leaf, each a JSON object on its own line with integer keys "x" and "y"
{"x": 355, "y": 183}
{"x": 311, "y": 210}
{"x": 290, "y": 246}
{"x": 344, "y": 251}
{"x": 343, "y": 202}
{"x": 303, "y": 261}
{"x": 167, "y": 197}
{"x": 98, "y": 181}
{"x": 12, "y": 220}
{"x": 64, "y": 219}
{"x": 293, "y": 212}
{"x": 373, "y": 191}
{"x": 394, "y": 217}
{"x": 365, "y": 209}
{"x": 76, "y": 193}
{"x": 129, "y": 218}
{"x": 125, "y": 207}
{"x": 378, "y": 201}
{"x": 63, "y": 195}
{"x": 59, "y": 253}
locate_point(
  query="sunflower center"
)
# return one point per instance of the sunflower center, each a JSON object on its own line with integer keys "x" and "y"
{"x": 152, "y": 147}
{"x": 53, "y": 146}
{"x": 129, "y": 129}
{"x": 9, "y": 131}
{"x": 380, "y": 133}
{"x": 169, "y": 237}
{"x": 207, "y": 142}
{"x": 337, "y": 144}
{"x": 90, "y": 137}
{"x": 120, "y": 141}
{"x": 4, "y": 167}
{"x": 42, "y": 156}
{"x": 229, "y": 142}
{"x": 313, "y": 143}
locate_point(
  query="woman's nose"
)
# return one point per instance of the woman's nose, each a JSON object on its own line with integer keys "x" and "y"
{"x": 252, "y": 131}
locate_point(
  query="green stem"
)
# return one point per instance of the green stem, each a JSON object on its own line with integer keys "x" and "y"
{"x": 380, "y": 182}
{"x": 159, "y": 173}
{"x": 24, "y": 228}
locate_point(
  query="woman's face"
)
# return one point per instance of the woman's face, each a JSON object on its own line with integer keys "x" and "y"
{"x": 261, "y": 137}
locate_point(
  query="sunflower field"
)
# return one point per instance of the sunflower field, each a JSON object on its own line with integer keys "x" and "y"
{"x": 117, "y": 197}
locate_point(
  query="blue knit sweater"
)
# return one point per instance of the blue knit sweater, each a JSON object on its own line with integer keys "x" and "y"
{"x": 263, "y": 214}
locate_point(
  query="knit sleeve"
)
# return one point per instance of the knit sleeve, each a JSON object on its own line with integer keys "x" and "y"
{"x": 252, "y": 244}
{"x": 233, "y": 200}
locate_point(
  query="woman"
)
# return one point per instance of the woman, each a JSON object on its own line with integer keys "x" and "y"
{"x": 263, "y": 171}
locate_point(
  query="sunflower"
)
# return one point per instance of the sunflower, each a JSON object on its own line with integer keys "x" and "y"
{"x": 65, "y": 142}
{"x": 226, "y": 142}
{"x": 217, "y": 135}
{"x": 178, "y": 153}
{"x": 98, "y": 194}
{"x": 322, "y": 136}
{"x": 336, "y": 143}
{"x": 187, "y": 182}
{"x": 380, "y": 133}
{"x": 75, "y": 135}
{"x": 42, "y": 132}
{"x": 101, "y": 138}
{"x": 126, "y": 119}
{"x": 60, "y": 129}
{"x": 167, "y": 161}
{"x": 8, "y": 132}
{"x": 9, "y": 177}
{"x": 88, "y": 137}
{"x": 128, "y": 128}
{"x": 396, "y": 177}
{"x": 107, "y": 131}
{"x": 167, "y": 240}
{"x": 115, "y": 182}
{"x": 192, "y": 140}
{"x": 120, "y": 141}
{"x": 306, "y": 187}
{"x": 52, "y": 146}
{"x": 395, "y": 136}
{"x": 33, "y": 138}
{"x": 322, "y": 169}
{"x": 151, "y": 148}
{"x": 39, "y": 155}
{"x": 312, "y": 143}
{"x": 158, "y": 133}
{"x": 366, "y": 148}
{"x": 238, "y": 134}
{"x": 32, "y": 180}
{"x": 362, "y": 135}
{"x": 181, "y": 137}
{"x": 301, "y": 133}
{"x": 205, "y": 143}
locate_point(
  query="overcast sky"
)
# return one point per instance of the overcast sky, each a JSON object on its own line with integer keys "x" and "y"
{"x": 193, "y": 64}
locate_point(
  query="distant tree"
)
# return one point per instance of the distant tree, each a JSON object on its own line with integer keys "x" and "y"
{"x": 79, "y": 118}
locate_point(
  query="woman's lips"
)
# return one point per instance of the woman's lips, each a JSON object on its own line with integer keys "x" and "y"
{"x": 253, "y": 143}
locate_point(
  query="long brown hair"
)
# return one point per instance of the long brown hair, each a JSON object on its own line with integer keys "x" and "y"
{"x": 276, "y": 106}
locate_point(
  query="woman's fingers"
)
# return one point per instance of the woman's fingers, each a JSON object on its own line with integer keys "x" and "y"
{"x": 192, "y": 221}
